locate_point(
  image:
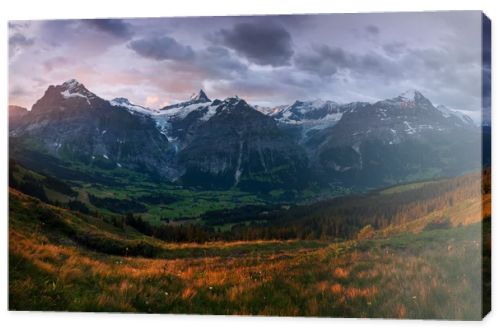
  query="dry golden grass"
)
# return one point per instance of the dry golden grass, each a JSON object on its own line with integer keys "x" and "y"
{"x": 341, "y": 273}
{"x": 425, "y": 274}
{"x": 337, "y": 289}
{"x": 372, "y": 282}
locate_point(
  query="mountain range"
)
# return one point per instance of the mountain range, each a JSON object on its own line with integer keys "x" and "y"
{"x": 223, "y": 144}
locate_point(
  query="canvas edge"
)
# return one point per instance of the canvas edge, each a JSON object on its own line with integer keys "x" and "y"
{"x": 486, "y": 160}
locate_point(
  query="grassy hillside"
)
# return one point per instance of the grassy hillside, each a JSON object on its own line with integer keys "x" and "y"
{"x": 60, "y": 259}
{"x": 406, "y": 208}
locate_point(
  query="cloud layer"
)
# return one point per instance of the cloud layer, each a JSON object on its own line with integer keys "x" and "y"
{"x": 115, "y": 27}
{"x": 268, "y": 60}
{"x": 262, "y": 42}
{"x": 161, "y": 48}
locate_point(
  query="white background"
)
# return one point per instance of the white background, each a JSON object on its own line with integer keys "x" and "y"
{"x": 49, "y": 322}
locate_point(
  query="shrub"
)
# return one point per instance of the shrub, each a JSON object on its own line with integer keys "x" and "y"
{"x": 439, "y": 224}
{"x": 366, "y": 233}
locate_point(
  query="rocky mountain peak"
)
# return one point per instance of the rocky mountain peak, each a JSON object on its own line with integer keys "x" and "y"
{"x": 228, "y": 143}
{"x": 200, "y": 97}
{"x": 70, "y": 95}
{"x": 410, "y": 99}
{"x": 411, "y": 95}
{"x": 414, "y": 97}
{"x": 71, "y": 84}
{"x": 235, "y": 103}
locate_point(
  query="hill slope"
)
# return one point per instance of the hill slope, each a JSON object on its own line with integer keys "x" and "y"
{"x": 60, "y": 260}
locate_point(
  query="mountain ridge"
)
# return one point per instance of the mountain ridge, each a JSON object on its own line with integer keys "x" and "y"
{"x": 230, "y": 143}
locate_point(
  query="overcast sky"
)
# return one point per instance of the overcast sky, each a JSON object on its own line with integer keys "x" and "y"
{"x": 268, "y": 60}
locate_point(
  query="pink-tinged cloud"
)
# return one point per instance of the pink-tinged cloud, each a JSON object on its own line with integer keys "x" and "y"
{"x": 269, "y": 60}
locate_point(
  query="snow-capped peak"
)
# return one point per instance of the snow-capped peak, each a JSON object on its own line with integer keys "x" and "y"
{"x": 125, "y": 103}
{"x": 71, "y": 84}
{"x": 73, "y": 89}
{"x": 233, "y": 100}
{"x": 411, "y": 100}
{"x": 410, "y": 95}
{"x": 270, "y": 111}
{"x": 301, "y": 111}
{"x": 195, "y": 99}
{"x": 200, "y": 97}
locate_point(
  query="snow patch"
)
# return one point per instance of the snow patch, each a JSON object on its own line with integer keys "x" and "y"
{"x": 409, "y": 129}
{"x": 238, "y": 171}
{"x": 212, "y": 110}
{"x": 356, "y": 148}
{"x": 68, "y": 95}
{"x": 182, "y": 112}
{"x": 409, "y": 95}
{"x": 447, "y": 113}
{"x": 339, "y": 168}
{"x": 71, "y": 84}
{"x": 132, "y": 108}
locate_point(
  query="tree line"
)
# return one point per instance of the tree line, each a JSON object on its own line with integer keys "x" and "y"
{"x": 339, "y": 218}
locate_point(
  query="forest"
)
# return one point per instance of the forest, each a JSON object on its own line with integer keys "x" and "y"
{"x": 339, "y": 218}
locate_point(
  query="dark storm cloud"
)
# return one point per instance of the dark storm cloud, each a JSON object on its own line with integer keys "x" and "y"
{"x": 218, "y": 61}
{"x": 280, "y": 84}
{"x": 372, "y": 29}
{"x": 323, "y": 61}
{"x": 89, "y": 37}
{"x": 486, "y": 70}
{"x": 19, "y": 39}
{"x": 263, "y": 42}
{"x": 213, "y": 63}
{"x": 394, "y": 49}
{"x": 17, "y": 42}
{"x": 295, "y": 21}
{"x": 17, "y": 91}
{"x": 161, "y": 48}
{"x": 348, "y": 57}
{"x": 58, "y": 32}
{"x": 445, "y": 74}
{"x": 18, "y": 25}
{"x": 115, "y": 27}
{"x": 326, "y": 61}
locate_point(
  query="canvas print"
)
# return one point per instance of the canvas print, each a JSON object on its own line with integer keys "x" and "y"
{"x": 330, "y": 165}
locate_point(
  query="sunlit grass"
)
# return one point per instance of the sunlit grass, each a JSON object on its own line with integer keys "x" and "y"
{"x": 386, "y": 278}
{"x": 56, "y": 262}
